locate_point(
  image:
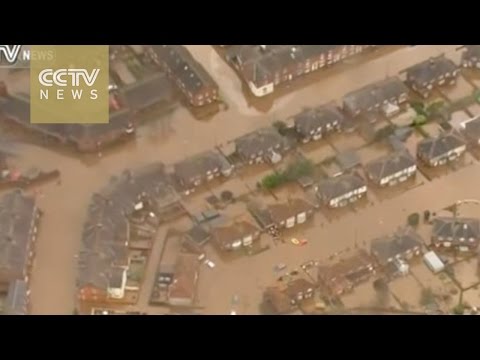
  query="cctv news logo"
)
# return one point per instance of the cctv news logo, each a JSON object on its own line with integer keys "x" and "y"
{"x": 20, "y": 56}
{"x": 72, "y": 79}
{"x": 72, "y": 87}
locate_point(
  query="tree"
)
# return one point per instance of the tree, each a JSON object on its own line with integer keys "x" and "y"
{"x": 280, "y": 126}
{"x": 419, "y": 120}
{"x": 427, "y": 297}
{"x": 426, "y": 216}
{"x": 273, "y": 180}
{"x": 299, "y": 169}
{"x": 459, "y": 309}
{"x": 413, "y": 219}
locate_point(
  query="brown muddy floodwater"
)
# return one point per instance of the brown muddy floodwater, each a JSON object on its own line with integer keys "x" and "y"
{"x": 177, "y": 135}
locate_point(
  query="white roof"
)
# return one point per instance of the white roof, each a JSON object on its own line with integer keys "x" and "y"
{"x": 433, "y": 261}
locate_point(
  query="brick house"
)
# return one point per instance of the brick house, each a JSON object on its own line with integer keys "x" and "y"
{"x": 19, "y": 221}
{"x": 341, "y": 190}
{"x": 341, "y": 277}
{"x": 285, "y": 299}
{"x": 199, "y": 169}
{"x": 404, "y": 244}
{"x": 263, "y": 67}
{"x": 182, "y": 291}
{"x": 471, "y": 132}
{"x": 385, "y": 96}
{"x": 391, "y": 169}
{"x": 314, "y": 124}
{"x": 442, "y": 149}
{"x": 470, "y": 56}
{"x": 235, "y": 236}
{"x": 192, "y": 80}
{"x": 436, "y": 71}
{"x": 262, "y": 145}
{"x": 462, "y": 234}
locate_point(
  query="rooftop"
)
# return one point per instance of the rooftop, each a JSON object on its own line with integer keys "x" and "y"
{"x": 260, "y": 141}
{"x": 332, "y": 188}
{"x": 388, "y": 247}
{"x": 17, "y": 214}
{"x": 186, "y": 69}
{"x": 439, "y": 146}
{"x": 389, "y": 165}
{"x": 430, "y": 70}
{"x": 366, "y": 98}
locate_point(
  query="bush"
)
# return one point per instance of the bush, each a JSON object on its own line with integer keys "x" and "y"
{"x": 273, "y": 180}
{"x": 419, "y": 108}
{"x": 419, "y": 120}
{"x": 413, "y": 220}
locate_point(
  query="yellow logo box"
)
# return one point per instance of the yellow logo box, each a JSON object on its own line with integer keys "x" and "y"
{"x": 70, "y": 86}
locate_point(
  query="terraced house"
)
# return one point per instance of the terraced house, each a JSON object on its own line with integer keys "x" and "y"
{"x": 191, "y": 78}
{"x": 386, "y": 96}
{"x": 341, "y": 190}
{"x": 437, "y": 71}
{"x": 235, "y": 236}
{"x": 19, "y": 221}
{"x": 470, "y": 56}
{"x": 263, "y": 145}
{"x": 199, "y": 169}
{"x": 462, "y": 234}
{"x": 438, "y": 151}
{"x": 264, "y": 67}
{"x": 314, "y": 124}
{"x": 391, "y": 169}
{"x": 403, "y": 245}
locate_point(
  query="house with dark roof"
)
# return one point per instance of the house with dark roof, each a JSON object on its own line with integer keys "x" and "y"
{"x": 285, "y": 299}
{"x": 462, "y": 234}
{"x": 383, "y": 96}
{"x": 291, "y": 213}
{"x": 341, "y": 190}
{"x": 470, "y": 56}
{"x": 471, "y": 131}
{"x": 263, "y": 67}
{"x": 147, "y": 92}
{"x": 342, "y": 276}
{"x": 444, "y": 148}
{"x": 262, "y": 145}
{"x": 402, "y": 245}
{"x": 391, "y": 169}
{"x": 235, "y": 236}
{"x": 314, "y": 124}
{"x": 84, "y": 137}
{"x": 201, "y": 168}
{"x": 188, "y": 74}
{"x": 17, "y": 301}
{"x": 104, "y": 259}
{"x": 182, "y": 291}
{"x": 436, "y": 71}
{"x": 19, "y": 221}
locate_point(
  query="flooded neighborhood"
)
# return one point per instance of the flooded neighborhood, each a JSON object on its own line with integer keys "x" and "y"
{"x": 250, "y": 179}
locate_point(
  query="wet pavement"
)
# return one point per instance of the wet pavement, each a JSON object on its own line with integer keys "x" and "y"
{"x": 176, "y": 135}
